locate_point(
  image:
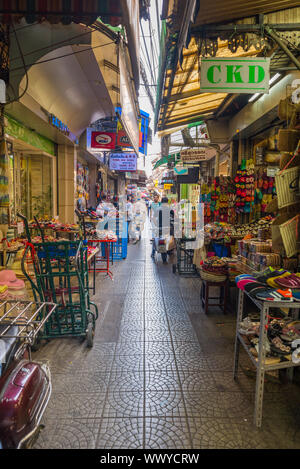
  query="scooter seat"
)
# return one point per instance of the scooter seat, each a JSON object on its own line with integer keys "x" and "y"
{"x": 6, "y": 345}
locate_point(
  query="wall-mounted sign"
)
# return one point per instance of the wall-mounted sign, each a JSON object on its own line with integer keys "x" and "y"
{"x": 103, "y": 140}
{"x": 55, "y": 122}
{"x": 123, "y": 162}
{"x": 192, "y": 155}
{"x": 132, "y": 176}
{"x": 235, "y": 75}
{"x": 123, "y": 140}
{"x": 180, "y": 170}
{"x": 167, "y": 181}
{"x": 167, "y": 187}
{"x": 190, "y": 178}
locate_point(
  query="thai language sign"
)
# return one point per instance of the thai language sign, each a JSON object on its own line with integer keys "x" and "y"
{"x": 123, "y": 162}
{"x": 235, "y": 75}
{"x": 191, "y": 155}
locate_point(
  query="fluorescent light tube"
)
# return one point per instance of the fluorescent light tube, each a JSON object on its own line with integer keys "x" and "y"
{"x": 253, "y": 97}
{"x": 274, "y": 78}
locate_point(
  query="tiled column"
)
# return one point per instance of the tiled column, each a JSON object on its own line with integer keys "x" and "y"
{"x": 67, "y": 160}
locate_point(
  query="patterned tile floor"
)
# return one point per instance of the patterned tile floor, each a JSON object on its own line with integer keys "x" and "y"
{"x": 160, "y": 373}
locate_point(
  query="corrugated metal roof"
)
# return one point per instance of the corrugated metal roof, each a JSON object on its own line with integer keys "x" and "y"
{"x": 186, "y": 103}
{"x": 220, "y": 11}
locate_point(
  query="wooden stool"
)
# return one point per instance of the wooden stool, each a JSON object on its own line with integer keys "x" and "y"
{"x": 206, "y": 285}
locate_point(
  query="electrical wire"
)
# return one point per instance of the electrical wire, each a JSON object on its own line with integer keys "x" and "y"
{"x": 146, "y": 50}
{"x": 152, "y": 52}
{"x": 55, "y": 44}
{"x": 63, "y": 56}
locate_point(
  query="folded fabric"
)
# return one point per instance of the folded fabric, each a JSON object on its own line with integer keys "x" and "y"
{"x": 9, "y": 278}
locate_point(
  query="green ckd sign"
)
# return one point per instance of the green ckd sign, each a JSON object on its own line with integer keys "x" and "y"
{"x": 235, "y": 75}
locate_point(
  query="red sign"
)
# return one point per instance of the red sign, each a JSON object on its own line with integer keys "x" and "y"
{"x": 123, "y": 140}
{"x": 103, "y": 140}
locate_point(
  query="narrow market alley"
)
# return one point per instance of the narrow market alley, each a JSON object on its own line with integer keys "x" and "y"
{"x": 160, "y": 373}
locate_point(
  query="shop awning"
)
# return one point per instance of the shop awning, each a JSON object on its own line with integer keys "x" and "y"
{"x": 221, "y": 11}
{"x": 166, "y": 160}
{"x": 61, "y": 11}
{"x": 182, "y": 101}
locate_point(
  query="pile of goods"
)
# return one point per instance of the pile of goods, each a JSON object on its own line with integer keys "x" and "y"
{"x": 51, "y": 224}
{"x": 105, "y": 235}
{"x": 281, "y": 333}
{"x": 217, "y": 231}
{"x": 272, "y": 285}
{"x": 47, "y": 239}
{"x": 214, "y": 269}
{"x": 12, "y": 288}
{"x": 11, "y": 246}
{"x": 258, "y": 254}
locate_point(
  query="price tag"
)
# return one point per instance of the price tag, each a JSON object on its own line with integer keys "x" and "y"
{"x": 272, "y": 171}
{"x": 20, "y": 227}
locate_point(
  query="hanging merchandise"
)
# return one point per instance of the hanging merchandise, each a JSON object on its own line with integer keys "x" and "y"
{"x": 244, "y": 182}
{"x": 83, "y": 188}
{"x": 218, "y": 197}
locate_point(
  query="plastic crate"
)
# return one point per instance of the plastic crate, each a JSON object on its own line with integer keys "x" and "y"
{"x": 118, "y": 250}
{"x": 185, "y": 258}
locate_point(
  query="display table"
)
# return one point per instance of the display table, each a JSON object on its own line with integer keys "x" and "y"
{"x": 260, "y": 362}
{"x": 92, "y": 260}
{"x": 106, "y": 258}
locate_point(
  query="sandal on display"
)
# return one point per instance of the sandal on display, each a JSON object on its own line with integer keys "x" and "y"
{"x": 247, "y": 327}
{"x": 290, "y": 281}
{"x": 278, "y": 347}
{"x": 289, "y": 334}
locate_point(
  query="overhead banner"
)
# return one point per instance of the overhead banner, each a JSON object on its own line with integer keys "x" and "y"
{"x": 103, "y": 140}
{"x": 192, "y": 155}
{"x": 123, "y": 162}
{"x": 235, "y": 75}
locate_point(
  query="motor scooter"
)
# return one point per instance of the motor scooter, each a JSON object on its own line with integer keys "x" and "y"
{"x": 160, "y": 246}
{"x": 25, "y": 385}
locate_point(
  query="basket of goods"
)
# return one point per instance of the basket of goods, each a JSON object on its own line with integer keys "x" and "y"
{"x": 287, "y": 183}
{"x": 214, "y": 269}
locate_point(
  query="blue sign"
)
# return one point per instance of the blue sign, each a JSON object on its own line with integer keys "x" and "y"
{"x": 59, "y": 124}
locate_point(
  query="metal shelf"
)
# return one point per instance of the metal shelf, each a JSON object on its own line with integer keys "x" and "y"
{"x": 22, "y": 320}
{"x": 260, "y": 361}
